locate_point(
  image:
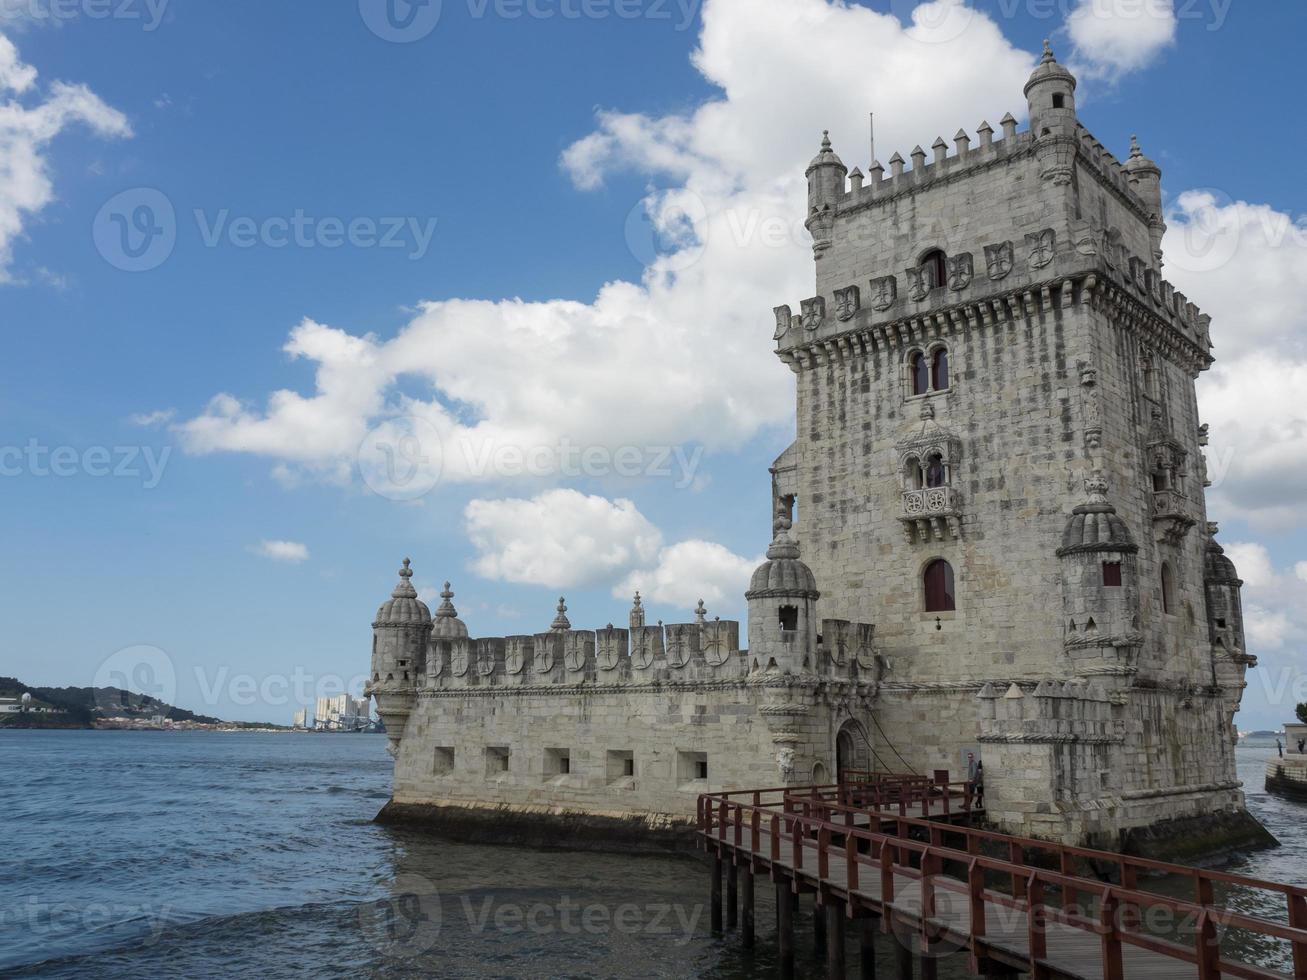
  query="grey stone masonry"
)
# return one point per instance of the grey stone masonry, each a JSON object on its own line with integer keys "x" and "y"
{"x": 989, "y": 536}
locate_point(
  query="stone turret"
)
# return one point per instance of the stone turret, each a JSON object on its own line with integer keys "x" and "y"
{"x": 1224, "y": 597}
{"x": 399, "y": 643}
{"x": 1146, "y": 178}
{"x": 782, "y": 601}
{"x": 1051, "y": 94}
{"x": 1100, "y": 587}
{"x": 826, "y": 174}
{"x": 446, "y": 624}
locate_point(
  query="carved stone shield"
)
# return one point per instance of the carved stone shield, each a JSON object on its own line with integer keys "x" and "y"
{"x": 516, "y": 650}
{"x": 545, "y": 652}
{"x": 1041, "y": 247}
{"x": 884, "y": 292}
{"x": 846, "y": 302}
{"x": 783, "y": 319}
{"x": 917, "y": 287}
{"x": 961, "y": 269}
{"x": 814, "y": 312}
{"x": 459, "y": 657}
{"x": 645, "y": 646}
{"x": 999, "y": 260}
{"x": 577, "y": 646}
{"x": 610, "y": 647}
{"x": 864, "y": 645}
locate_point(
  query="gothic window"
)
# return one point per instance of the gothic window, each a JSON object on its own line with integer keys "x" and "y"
{"x": 920, "y": 374}
{"x": 936, "y": 273}
{"x": 938, "y": 581}
{"x": 1112, "y": 574}
{"x": 1168, "y": 588}
{"x": 939, "y": 370}
{"x": 934, "y": 472}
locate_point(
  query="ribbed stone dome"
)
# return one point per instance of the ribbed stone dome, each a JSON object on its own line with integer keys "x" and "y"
{"x": 827, "y": 156}
{"x": 403, "y": 608}
{"x": 1218, "y": 569}
{"x": 783, "y": 573}
{"x": 446, "y": 625}
{"x": 1096, "y": 526}
{"x": 1049, "y": 69}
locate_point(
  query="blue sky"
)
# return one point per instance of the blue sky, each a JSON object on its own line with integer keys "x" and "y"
{"x": 529, "y": 149}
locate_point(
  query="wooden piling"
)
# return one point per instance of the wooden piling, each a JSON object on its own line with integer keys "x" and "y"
{"x": 732, "y": 895}
{"x": 835, "y": 938}
{"x": 867, "y": 948}
{"x": 747, "y": 933}
{"x": 785, "y": 928}
{"x": 716, "y": 895}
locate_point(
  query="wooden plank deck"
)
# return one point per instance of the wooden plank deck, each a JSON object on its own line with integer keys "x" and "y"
{"x": 1072, "y": 953}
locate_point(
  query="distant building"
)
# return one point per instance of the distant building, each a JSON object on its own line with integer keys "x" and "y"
{"x": 341, "y": 713}
{"x": 300, "y": 719}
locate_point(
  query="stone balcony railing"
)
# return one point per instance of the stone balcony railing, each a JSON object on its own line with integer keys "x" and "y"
{"x": 1172, "y": 515}
{"x": 931, "y": 514}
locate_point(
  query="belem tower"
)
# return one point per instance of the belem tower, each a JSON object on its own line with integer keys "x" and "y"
{"x": 989, "y": 537}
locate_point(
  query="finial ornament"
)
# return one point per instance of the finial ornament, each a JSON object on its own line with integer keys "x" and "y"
{"x": 1048, "y": 51}
{"x": 446, "y": 610}
{"x": 1135, "y": 150}
{"x": 406, "y": 571}
{"x": 825, "y": 139}
{"x": 701, "y": 614}
{"x": 561, "y": 622}
{"x": 405, "y": 590}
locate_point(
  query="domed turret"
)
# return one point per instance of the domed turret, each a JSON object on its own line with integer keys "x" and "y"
{"x": 1146, "y": 179}
{"x": 1224, "y": 587}
{"x": 399, "y": 647}
{"x": 446, "y": 625}
{"x": 782, "y": 601}
{"x": 1100, "y": 581}
{"x": 1051, "y": 94}
{"x": 825, "y": 175}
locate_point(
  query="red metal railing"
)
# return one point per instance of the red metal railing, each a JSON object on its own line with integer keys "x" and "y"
{"x": 799, "y": 821}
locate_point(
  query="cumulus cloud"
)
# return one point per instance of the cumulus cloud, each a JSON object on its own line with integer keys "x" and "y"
{"x": 563, "y": 539}
{"x": 292, "y": 552}
{"x": 560, "y": 538}
{"x": 690, "y": 571}
{"x": 1275, "y": 600}
{"x": 1113, "y": 36}
{"x": 1246, "y": 265}
{"x": 28, "y": 123}
{"x": 720, "y": 235}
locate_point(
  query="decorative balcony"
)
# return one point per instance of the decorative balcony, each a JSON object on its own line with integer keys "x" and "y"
{"x": 1172, "y": 516}
{"x": 932, "y": 514}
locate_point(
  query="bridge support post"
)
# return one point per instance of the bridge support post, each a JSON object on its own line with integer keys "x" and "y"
{"x": 716, "y": 895}
{"x": 867, "y": 948}
{"x": 902, "y": 955}
{"x": 818, "y": 930}
{"x": 732, "y": 894}
{"x": 785, "y": 928}
{"x": 835, "y": 938}
{"x": 928, "y": 962}
{"x": 747, "y": 912}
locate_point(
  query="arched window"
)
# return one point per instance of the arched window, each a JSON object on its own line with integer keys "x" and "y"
{"x": 913, "y": 476}
{"x": 1168, "y": 588}
{"x": 936, "y": 271}
{"x": 934, "y": 472}
{"x": 939, "y": 370}
{"x": 920, "y": 374}
{"x": 939, "y": 587}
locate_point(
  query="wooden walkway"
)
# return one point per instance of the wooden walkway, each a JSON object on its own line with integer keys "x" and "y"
{"x": 930, "y": 878}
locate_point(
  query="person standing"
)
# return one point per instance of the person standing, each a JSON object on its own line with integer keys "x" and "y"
{"x": 1279, "y": 748}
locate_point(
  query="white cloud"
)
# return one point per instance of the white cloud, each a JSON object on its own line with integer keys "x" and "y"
{"x": 690, "y": 571}
{"x": 150, "y": 420}
{"x": 563, "y": 539}
{"x": 683, "y": 356}
{"x": 27, "y": 125}
{"x": 288, "y": 551}
{"x": 1113, "y": 36}
{"x": 560, "y": 538}
{"x": 1275, "y": 602}
{"x": 1246, "y": 265}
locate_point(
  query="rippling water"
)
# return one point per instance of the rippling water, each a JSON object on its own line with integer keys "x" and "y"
{"x": 214, "y": 854}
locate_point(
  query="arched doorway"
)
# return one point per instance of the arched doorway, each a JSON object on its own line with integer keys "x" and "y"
{"x": 852, "y": 749}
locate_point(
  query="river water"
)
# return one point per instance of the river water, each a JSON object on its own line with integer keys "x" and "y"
{"x": 140, "y": 854}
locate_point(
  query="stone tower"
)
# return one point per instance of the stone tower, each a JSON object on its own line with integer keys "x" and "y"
{"x": 399, "y": 645}
{"x": 999, "y": 462}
